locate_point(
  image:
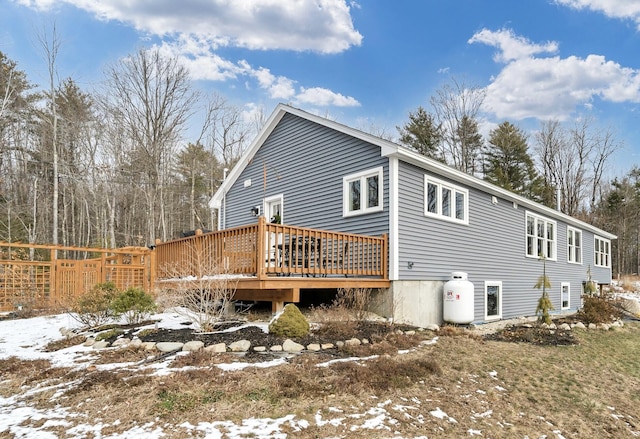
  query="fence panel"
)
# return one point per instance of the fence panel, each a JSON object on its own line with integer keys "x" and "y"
{"x": 51, "y": 283}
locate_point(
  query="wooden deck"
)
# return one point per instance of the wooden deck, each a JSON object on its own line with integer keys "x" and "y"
{"x": 268, "y": 262}
{"x": 274, "y": 262}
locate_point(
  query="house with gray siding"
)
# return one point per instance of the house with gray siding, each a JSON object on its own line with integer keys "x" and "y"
{"x": 310, "y": 171}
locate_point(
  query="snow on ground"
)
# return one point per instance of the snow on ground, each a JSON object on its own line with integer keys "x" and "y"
{"x": 25, "y": 338}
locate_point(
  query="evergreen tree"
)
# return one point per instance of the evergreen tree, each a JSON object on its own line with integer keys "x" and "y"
{"x": 469, "y": 141}
{"x": 507, "y": 162}
{"x": 423, "y": 134}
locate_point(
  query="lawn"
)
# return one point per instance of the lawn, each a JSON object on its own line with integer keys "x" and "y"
{"x": 449, "y": 384}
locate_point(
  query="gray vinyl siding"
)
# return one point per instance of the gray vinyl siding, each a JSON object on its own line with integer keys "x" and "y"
{"x": 306, "y": 162}
{"x": 490, "y": 248}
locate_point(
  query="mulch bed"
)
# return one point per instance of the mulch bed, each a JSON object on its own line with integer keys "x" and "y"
{"x": 327, "y": 333}
{"x": 535, "y": 335}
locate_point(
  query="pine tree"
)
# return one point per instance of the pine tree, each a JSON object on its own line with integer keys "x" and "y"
{"x": 423, "y": 134}
{"x": 507, "y": 162}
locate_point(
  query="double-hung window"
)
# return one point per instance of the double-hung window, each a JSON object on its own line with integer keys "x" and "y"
{"x": 445, "y": 201}
{"x": 362, "y": 192}
{"x": 574, "y": 245}
{"x": 602, "y": 252}
{"x": 541, "y": 237}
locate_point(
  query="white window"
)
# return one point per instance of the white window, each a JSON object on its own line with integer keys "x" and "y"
{"x": 565, "y": 294}
{"x": 362, "y": 192}
{"x": 574, "y": 245}
{"x": 602, "y": 252}
{"x": 445, "y": 201}
{"x": 492, "y": 300}
{"x": 541, "y": 237}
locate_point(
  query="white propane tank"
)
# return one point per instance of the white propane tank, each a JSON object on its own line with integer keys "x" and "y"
{"x": 458, "y": 299}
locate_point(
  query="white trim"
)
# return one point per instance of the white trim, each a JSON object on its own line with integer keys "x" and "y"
{"x": 596, "y": 251}
{"x": 568, "y": 285}
{"x": 493, "y": 283}
{"x": 268, "y": 200}
{"x": 442, "y": 185}
{"x": 535, "y": 236}
{"x": 571, "y": 251}
{"x": 362, "y": 177}
{"x": 390, "y": 149}
{"x": 394, "y": 250}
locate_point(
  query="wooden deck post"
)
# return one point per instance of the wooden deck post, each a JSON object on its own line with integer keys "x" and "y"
{"x": 261, "y": 248}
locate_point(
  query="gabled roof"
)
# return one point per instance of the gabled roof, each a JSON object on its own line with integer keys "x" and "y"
{"x": 391, "y": 149}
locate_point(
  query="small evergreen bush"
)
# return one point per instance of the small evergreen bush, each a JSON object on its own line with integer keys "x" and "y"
{"x": 134, "y": 304}
{"x": 544, "y": 302}
{"x": 94, "y": 307}
{"x": 291, "y": 323}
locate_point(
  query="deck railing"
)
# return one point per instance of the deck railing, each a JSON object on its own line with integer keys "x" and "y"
{"x": 49, "y": 276}
{"x": 266, "y": 249}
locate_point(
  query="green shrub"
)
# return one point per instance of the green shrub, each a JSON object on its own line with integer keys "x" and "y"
{"x": 291, "y": 323}
{"x": 110, "y": 334}
{"x": 94, "y": 307}
{"x": 134, "y": 304}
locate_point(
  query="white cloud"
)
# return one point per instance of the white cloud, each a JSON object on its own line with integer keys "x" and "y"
{"x": 551, "y": 87}
{"x": 323, "y": 26}
{"x": 622, "y": 9}
{"x": 279, "y": 87}
{"x": 204, "y": 64}
{"x": 324, "y": 97}
{"x": 511, "y": 46}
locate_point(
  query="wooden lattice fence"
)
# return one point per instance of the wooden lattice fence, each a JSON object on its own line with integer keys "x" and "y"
{"x": 49, "y": 277}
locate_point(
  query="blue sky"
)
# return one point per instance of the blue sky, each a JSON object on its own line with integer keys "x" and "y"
{"x": 365, "y": 63}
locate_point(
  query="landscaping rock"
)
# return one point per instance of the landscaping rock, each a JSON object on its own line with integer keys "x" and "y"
{"x": 631, "y": 306}
{"x": 432, "y": 327}
{"x": 148, "y": 345}
{"x": 565, "y": 326}
{"x": 101, "y": 344}
{"x": 592, "y": 326}
{"x": 193, "y": 346}
{"x": 340, "y": 344}
{"x": 327, "y": 346}
{"x": 168, "y": 346}
{"x": 315, "y": 347}
{"x": 216, "y": 348}
{"x": 260, "y": 349}
{"x": 135, "y": 343}
{"x": 291, "y": 346}
{"x": 276, "y": 348}
{"x": 89, "y": 342}
{"x": 353, "y": 342}
{"x": 240, "y": 346}
{"x": 578, "y": 325}
{"x": 120, "y": 342}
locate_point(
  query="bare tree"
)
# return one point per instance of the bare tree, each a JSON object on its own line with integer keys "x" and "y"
{"x": 456, "y": 108}
{"x": 200, "y": 287}
{"x": 152, "y": 96}
{"x": 573, "y": 161}
{"x": 50, "y": 49}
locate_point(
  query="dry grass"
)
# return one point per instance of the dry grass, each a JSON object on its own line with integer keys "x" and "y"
{"x": 501, "y": 389}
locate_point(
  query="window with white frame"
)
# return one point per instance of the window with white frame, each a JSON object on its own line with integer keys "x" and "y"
{"x": 574, "y": 245}
{"x": 602, "y": 252}
{"x": 492, "y": 300}
{"x": 362, "y": 192}
{"x": 445, "y": 201}
{"x": 541, "y": 237}
{"x": 565, "y": 294}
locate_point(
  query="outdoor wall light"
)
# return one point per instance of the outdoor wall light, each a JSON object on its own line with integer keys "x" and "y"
{"x": 255, "y": 211}
{"x": 410, "y": 265}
